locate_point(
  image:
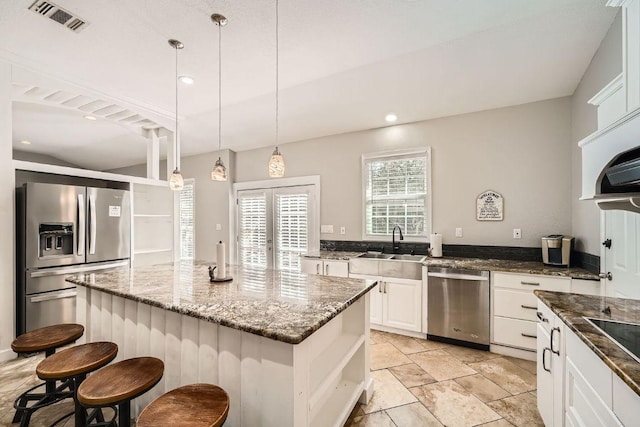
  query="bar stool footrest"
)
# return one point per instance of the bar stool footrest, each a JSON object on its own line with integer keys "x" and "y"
{"x": 21, "y": 404}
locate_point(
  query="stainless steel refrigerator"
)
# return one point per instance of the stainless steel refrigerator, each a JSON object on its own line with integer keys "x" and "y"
{"x": 64, "y": 230}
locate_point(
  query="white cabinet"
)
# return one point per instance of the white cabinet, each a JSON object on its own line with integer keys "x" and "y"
{"x": 395, "y": 303}
{"x": 514, "y": 307}
{"x": 550, "y": 366}
{"x": 325, "y": 267}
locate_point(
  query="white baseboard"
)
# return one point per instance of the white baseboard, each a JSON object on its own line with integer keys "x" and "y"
{"x": 513, "y": 352}
{"x": 398, "y": 331}
{"x": 367, "y": 392}
{"x": 7, "y": 354}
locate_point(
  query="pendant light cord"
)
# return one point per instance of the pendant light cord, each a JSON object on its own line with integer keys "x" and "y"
{"x": 219, "y": 87}
{"x": 177, "y": 136}
{"x": 277, "y": 75}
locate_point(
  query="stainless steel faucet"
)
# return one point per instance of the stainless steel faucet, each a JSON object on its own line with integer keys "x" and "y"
{"x": 396, "y": 246}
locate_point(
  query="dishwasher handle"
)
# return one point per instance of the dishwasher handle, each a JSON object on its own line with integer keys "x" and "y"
{"x": 458, "y": 276}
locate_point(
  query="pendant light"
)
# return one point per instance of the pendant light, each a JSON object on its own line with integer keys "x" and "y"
{"x": 219, "y": 171}
{"x": 276, "y": 162}
{"x": 176, "y": 182}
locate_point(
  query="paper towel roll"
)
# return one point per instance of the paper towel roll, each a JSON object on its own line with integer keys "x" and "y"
{"x": 436, "y": 245}
{"x": 221, "y": 271}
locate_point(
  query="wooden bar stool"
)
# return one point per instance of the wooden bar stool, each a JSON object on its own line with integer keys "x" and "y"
{"x": 118, "y": 384}
{"x": 46, "y": 339}
{"x": 195, "y": 405}
{"x": 74, "y": 364}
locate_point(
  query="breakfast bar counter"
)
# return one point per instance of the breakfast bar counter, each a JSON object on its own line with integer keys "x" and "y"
{"x": 290, "y": 349}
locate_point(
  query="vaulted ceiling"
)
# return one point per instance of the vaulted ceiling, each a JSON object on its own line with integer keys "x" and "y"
{"x": 343, "y": 66}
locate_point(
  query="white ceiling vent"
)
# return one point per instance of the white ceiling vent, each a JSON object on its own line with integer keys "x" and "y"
{"x": 59, "y": 15}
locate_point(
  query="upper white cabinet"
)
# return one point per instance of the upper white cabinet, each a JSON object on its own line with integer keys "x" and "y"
{"x": 325, "y": 267}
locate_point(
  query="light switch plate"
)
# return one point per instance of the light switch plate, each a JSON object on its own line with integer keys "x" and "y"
{"x": 517, "y": 233}
{"x": 459, "y": 232}
{"x": 326, "y": 229}
{"x": 218, "y": 227}
{"x": 343, "y": 230}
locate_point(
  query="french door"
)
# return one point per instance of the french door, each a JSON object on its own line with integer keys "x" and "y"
{"x": 276, "y": 226}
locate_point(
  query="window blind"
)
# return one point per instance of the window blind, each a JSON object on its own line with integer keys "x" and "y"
{"x": 396, "y": 194}
{"x": 187, "y": 220}
{"x": 252, "y": 230}
{"x": 291, "y": 229}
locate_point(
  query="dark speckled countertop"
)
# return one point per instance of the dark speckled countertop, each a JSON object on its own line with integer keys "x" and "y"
{"x": 525, "y": 267}
{"x": 281, "y": 305}
{"x": 572, "y": 307}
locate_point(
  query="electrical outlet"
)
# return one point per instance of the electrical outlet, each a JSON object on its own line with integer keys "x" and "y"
{"x": 343, "y": 230}
{"x": 517, "y": 233}
{"x": 218, "y": 227}
{"x": 459, "y": 232}
{"x": 327, "y": 229}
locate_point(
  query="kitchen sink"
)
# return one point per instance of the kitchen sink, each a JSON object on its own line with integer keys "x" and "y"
{"x": 375, "y": 255}
{"x": 388, "y": 265}
{"x": 415, "y": 258}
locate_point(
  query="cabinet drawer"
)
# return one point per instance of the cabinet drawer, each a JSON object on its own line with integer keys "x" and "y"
{"x": 514, "y": 332}
{"x": 531, "y": 282}
{"x": 547, "y": 318}
{"x": 515, "y": 303}
{"x": 336, "y": 268}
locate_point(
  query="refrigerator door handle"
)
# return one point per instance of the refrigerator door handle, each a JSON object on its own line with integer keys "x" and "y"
{"x": 92, "y": 224}
{"x": 63, "y": 271}
{"x": 81, "y": 224}
{"x": 53, "y": 296}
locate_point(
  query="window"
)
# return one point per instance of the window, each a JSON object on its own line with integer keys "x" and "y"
{"x": 396, "y": 188}
{"x": 187, "y": 220}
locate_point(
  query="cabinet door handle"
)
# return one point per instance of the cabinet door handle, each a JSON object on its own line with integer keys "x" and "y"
{"x": 528, "y": 335}
{"x": 326, "y": 270}
{"x": 551, "y": 340}
{"x": 528, "y": 307}
{"x": 541, "y": 317}
{"x": 380, "y": 285}
{"x": 530, "y": 283}
{"x": 544, "y": 359}
{"x": 317, "y": 268}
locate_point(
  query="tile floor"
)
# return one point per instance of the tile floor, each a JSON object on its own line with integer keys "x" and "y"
{"x": 427, "y": 383}
{"x": 416, "y": 383}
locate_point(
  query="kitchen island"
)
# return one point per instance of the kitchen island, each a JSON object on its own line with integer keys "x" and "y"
{"x": 290, "y": 349}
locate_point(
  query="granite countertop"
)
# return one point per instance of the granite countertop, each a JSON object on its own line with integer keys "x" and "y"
{"x": 524, "y": 267}
{"x": 281, "y": 305}
{"x": 571, "y": 307}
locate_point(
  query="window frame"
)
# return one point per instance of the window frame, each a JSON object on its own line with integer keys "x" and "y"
{"x": 391, "y": 155}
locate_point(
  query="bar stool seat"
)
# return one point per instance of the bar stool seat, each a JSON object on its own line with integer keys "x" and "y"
{"x": 194, "y": 405}
{"x": 47, "y": 339}
{"x": 119, "y": 383}
{"x": 75, "y": 363}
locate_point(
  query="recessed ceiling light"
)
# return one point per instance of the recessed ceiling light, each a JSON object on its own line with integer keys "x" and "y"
{"x": 89, "y": 117}
{"x": 186, "y": 80}
{"x": 25, "y": 142}
{"x": 391, "y": 117}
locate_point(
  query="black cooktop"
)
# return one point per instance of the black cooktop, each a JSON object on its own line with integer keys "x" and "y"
{"x": 626, "y": 335}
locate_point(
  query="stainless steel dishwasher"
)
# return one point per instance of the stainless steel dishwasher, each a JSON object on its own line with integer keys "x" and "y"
{"x": 458, "y": 306}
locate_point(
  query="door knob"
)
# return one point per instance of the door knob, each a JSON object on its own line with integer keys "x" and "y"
{"x": 606, "y": 275}
{"x": 607, "y": 243}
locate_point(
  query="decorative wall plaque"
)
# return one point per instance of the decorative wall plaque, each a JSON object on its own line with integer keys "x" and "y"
{"x": 489, "y": 206}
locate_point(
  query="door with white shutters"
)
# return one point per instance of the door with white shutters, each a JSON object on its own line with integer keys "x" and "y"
{"x": 276, "y": 226}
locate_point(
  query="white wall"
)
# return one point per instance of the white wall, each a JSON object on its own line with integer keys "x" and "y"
{"x": 40, "y": 158}
{"x": 7, "y": 245}
{"x": 523, "y": 152}
{"x": 605, "y": 65}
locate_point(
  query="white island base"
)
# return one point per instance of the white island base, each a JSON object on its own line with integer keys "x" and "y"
{"x": 269, "y": 382}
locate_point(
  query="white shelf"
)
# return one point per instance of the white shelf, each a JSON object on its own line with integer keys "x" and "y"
{"x": 334, "y": 411}
{"x": 151, "y": 251}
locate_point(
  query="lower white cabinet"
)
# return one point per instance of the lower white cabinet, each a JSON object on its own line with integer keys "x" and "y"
{"x": 574, "y": 386}
{"x": 324, "y": 267}
{"x": 396, "y": 303}
{"x": 550, "y": 352}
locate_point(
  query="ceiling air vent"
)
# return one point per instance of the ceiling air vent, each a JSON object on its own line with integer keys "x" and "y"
{"x": 58, "y": 14}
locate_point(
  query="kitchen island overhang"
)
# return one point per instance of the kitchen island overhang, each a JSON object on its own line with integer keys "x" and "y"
{"x": 289, "y": 348}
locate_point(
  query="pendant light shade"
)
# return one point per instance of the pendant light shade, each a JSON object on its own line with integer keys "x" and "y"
{"x": 219, "y": 171}
{"x": 176, "y": 182}
{"x": 276, "y": 162}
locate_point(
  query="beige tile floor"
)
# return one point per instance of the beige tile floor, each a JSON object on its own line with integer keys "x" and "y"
{"x": 416, "y": 383}
{"x": 426, "y": 383}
